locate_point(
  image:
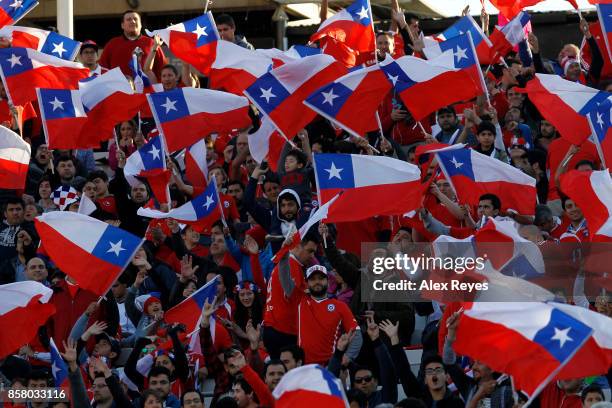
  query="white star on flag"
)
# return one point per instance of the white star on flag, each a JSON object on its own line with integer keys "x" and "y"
{"x": 456, "y": 163}
{"x": 154, "y": 152}
{"x": 55, "y": 369}
{"x": 460, "y": 54}
{"x": 329, "y": 97}
{"x": 600, "y": 121}
{"x": 169, "y": 105}
{"x": 57, "y": 104}
{"x": 200, "y": 31}
{"x": 334, "y": 172}
{"x": 15, "y": 60}
{"x": 562, "y": 336}
{"x": 267, "y": 94}
{"x": 209, "y": 202}
{"x": 17, "y": 4}
{"x": 116, "y": 247}
{"x": 59, "y": 48}
{"x": 363, "y": 13}
{"x": 393, "y": 79}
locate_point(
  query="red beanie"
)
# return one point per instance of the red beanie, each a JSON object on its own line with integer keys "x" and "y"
{"x": 149, "y": 302}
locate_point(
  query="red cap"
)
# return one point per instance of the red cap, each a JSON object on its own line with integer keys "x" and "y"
{"x": 89, "y": 44}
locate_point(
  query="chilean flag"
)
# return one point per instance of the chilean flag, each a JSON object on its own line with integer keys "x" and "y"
{"x": 351, "y": 102}
{"x": 45, "y": 41}
{"x": 185, "y": 115}
{"x": 235, "y": 68}
{"x": 592, "y": 192}
{"x": 149, "y": 162}
{"x": 14, "y": 160}
{"x": 509, "y": 36}
{"x": 536, "y": 342}
{"x": 73, "y": 240}
{"x": 101, "y": 95}
{"x": 600, "y": 122}
{"x": 201, "y": 212}
{"x": 319, "y": 215}
{"x": 565, "y": 104}
{"x": 371, "y": 185}
{"x": 352, "y": 26}
{"x": 24, "y": 69}
{"x": 473, "y": 174}
{"x": 196, "y": 166}
{"x": 189, "y": 311}
{"x": 59, "y": 369}
{"x": 308, "y": 386}
{"x": 63, "y": 118}
{"x": 464, "y": 25}
{"x": 427, "y": 85}
{"x": 267, "y": 144}
{"x": 10, "y": 13}
{"x": 193, "y": 41}
{"x": 604, "y": 12}
{"x": 24, "y": 307}
{"x": 281, "y": 92}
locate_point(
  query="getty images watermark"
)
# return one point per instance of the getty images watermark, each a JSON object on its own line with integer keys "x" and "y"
{"x": 475, "y": 271}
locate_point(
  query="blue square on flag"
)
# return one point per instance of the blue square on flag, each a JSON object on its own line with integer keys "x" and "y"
{"x": 360, "y": 11}
{"x": 170, "y": 105}
{"x": 152, "y": 154}
{"x": 563, "y": 335}
{"x": 334, "y": 171}
{"x": 57, "y": 103}
{"x": 206, "y": 202}
{"x": 457, "y": 162}
{"x": 59, "y": 46}
{"x": 116, "y": 246}
{"x": 203, "y": 28}
{"x": 330, "y": 98}
{"x": 15, "y": 61}
{"x": 462, "y": 50}
{"x": 267, "y": 92}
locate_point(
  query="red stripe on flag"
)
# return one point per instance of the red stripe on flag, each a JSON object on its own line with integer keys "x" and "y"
{"x": 12, "y": 174}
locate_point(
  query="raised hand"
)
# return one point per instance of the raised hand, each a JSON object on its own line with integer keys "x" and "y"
{"x": 187, "y": 269}
{"x": 391, "y": 330}
{"x": 70, "y": 353}
{"x": 251, "y": 245}
{"x": 373, "y": 330}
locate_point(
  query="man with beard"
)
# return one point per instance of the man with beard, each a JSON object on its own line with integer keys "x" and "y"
{"x": 288, "y": 216}
{"x": 320, "y": 319}
{"x": 285, "y": 288}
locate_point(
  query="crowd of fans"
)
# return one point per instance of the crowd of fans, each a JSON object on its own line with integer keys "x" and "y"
{"x": 270, "y": 319}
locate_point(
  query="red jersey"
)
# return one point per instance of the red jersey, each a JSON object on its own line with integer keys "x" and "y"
{"x": 281, "y": 311}
{"x": 557, "y": 151}
{"x": 118, "y": 53}
{"x": 319, "y": 323}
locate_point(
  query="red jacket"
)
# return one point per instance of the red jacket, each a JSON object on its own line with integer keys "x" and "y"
{"x": 554, "y": 397}
{"x": 69, "y": 309}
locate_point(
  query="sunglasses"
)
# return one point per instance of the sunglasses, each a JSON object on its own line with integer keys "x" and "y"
{"x": 359, "y": 380}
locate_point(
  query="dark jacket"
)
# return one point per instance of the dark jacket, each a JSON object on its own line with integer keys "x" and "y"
{"x": 130, "y": 220}
{"x": 271, "y": 221}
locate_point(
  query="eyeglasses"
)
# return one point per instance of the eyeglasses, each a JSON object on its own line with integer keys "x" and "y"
{"x": 432, "y": 371}
{"x": 366, "y": 379}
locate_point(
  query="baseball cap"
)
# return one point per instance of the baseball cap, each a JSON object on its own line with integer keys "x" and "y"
{"x": 316, "y": 268}
{"x": 89, "y": 44}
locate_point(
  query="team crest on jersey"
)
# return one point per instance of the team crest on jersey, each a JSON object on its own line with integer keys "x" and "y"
{"x": 226, "y": 204}
{"x": 331, "y": 308}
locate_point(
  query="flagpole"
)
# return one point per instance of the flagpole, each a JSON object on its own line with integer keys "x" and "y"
{"x": 482, "y": 81}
